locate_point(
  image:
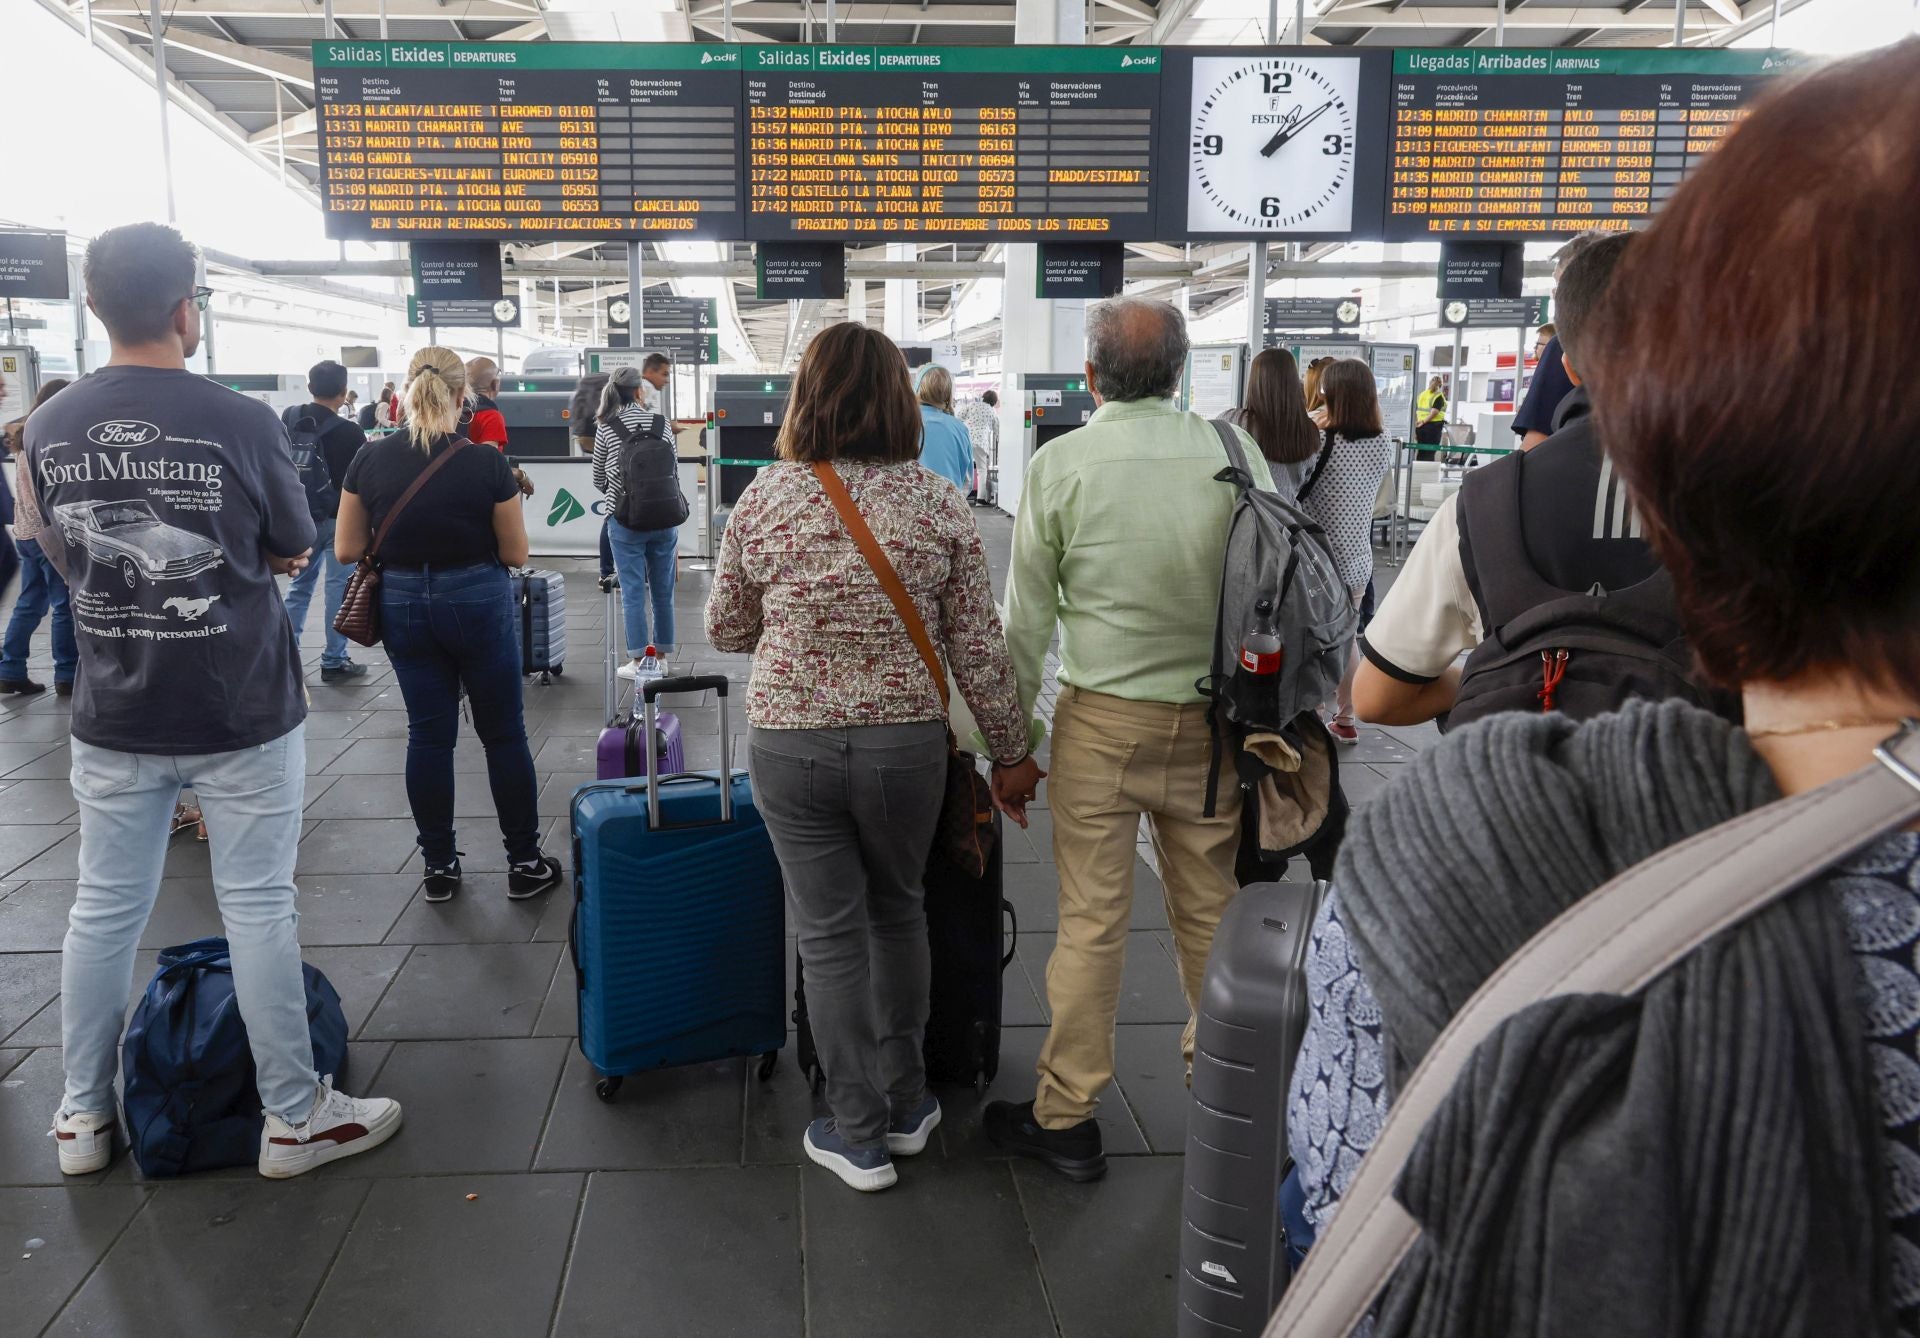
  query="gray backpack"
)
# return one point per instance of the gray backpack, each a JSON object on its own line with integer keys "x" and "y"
{"x": 1278, "y": 575}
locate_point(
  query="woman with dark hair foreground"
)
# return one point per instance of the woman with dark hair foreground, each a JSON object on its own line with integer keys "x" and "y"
{"x": 1275, "y": 416}
{"x": 848, "y": 746}
{"x": 1734, "y": 1149}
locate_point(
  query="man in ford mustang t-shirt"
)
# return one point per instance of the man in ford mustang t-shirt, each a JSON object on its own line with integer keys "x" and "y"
{"x": 171, "y": 504}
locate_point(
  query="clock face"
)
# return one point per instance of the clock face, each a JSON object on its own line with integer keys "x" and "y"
{"x": 1272, "y": 144}
{"x": 506, "y": 310}
{"x": 1456, "y": 313}
{"x": 619, "y": 312}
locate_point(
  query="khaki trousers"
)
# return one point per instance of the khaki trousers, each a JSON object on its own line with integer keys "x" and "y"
{"x": 1114, "y": 760}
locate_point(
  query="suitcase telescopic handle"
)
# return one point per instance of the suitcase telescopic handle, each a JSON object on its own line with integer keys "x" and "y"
{"x": 685, "y": 683}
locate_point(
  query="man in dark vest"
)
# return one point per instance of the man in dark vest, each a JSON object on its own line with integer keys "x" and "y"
{"x": 1549, "y": 534}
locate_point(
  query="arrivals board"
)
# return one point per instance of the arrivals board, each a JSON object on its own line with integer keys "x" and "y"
{"x": 860, "y": 142}
{"x": 1546, "y": 143}
{"x": 528, "y": 140}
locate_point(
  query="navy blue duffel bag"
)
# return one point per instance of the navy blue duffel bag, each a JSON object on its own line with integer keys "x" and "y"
{"x": 187, "y": 1072}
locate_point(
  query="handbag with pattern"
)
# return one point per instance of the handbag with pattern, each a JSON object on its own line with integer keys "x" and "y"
{"x": 965, "y": 833}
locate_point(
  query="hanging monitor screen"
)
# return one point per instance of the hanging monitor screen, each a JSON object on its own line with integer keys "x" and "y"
{"x": 852, "y": 142}
{"x": 1552, "y": 142}
{"x": 559, "y": 139}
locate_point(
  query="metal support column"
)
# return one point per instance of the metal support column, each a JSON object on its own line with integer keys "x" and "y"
{"x": 326, "y": 19}
{"x": 1499, "y": 22}
{"x": 383, "y": 20}
{"x": 832, "y": 28}
{"x": 1773, "y": 27}
{"x": 637, "y": 304}
{"x": 1679, "y": 22}
{"x": 280, "y": 132}
{"x": 155, "y": 27}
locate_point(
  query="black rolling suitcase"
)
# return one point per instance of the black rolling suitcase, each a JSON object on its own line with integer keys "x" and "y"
{"x": 970, "y": 929}
{"x": 1253, "y": 1013}
{"x": 542, "y": 600}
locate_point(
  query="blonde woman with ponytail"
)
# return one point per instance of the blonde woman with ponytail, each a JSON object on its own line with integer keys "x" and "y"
{"x": 448, "y": 615}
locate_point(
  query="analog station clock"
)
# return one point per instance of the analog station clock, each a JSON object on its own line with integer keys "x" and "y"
{"x": 1271, "y": 144}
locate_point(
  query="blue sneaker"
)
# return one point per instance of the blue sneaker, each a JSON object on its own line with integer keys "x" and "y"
{"x": 864, "y": 1169}
{"x": 907, "y": 1135}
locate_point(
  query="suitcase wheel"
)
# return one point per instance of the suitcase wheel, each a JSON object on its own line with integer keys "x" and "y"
{"x": 608, "y": 1087}
{"x": 768, "y": 1062}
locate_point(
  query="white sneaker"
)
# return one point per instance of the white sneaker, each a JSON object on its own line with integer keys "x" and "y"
{"x": 85, "y": 1140}
{"x": 629, "y": 671}
{"x": 339, "y": 1126}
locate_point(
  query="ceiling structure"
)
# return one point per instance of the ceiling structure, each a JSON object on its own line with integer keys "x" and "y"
{"x": 243, "y": 68}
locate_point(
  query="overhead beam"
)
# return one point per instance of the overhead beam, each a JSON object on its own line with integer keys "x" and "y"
{"x": 300, "y": 123}
{"x": 871, "y": 15}
{"x": 1366, "y": 14}
{"x": 252, "y": 59}
{"x": 483, "y": 11}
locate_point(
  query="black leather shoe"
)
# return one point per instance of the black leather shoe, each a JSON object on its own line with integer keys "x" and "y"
{"x": 63, "y": 689}
{"x": 341, "y": 673}
{"x": 1074, "y": 1153}
{"x": 26, "y": 687}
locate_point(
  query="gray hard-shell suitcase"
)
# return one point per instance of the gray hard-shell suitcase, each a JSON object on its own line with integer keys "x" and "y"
{"x": 1253, "y": 1013}
{"x": 541, "y": 597}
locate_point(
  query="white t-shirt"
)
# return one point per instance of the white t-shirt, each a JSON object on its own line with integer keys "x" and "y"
{"x": 1429, "y": 616}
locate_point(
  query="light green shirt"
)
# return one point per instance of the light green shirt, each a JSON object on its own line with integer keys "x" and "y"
{"x": 1120, "y": 535}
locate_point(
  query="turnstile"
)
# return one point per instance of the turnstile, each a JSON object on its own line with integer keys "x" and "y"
{"x": 747, "y": 414}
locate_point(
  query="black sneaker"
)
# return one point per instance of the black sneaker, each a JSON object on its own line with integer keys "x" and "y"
{"x": 1075, "y": 1152}
{"x": 341, "y": 673}
{"x": 63, "y": 689}
{"x": 441, "y": 883}
{"x": 532, "y": 878}
{"x": 26, "y": 687}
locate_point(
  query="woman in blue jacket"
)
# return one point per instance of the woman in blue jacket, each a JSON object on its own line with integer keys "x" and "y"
{"x": 945, "y": 447}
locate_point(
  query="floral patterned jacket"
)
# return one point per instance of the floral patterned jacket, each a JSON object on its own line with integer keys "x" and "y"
{"x": 828, "y": 649}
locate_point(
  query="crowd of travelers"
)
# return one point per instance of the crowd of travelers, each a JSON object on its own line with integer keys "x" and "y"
{"x": 1688, "y": 596}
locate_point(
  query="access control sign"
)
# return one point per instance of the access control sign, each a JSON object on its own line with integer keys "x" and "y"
{"x": 33, "y": 264}
{"x": 1511, "y": 312}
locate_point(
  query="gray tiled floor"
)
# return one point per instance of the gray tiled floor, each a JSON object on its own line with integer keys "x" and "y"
{"x": 686, "y": 1208}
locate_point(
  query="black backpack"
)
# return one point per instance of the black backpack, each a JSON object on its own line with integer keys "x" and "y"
{"x": 310, "y": 463}
{"x": 1549, "y": 649}
{"x": 651, "y": 498}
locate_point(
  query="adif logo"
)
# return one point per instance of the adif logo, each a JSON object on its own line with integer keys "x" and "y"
{"x": 125, "y": 432}
{"x": 566, "y": 507}
{"x": 1139, "y": 62}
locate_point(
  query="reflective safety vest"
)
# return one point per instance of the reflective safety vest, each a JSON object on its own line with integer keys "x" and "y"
{"x": 1432, "y": 405}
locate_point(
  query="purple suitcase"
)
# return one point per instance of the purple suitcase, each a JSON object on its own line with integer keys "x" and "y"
{"x": 618, "y": 754}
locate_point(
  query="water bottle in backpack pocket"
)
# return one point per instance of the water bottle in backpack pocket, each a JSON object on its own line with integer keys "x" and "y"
{"x": 187, "y": 1073}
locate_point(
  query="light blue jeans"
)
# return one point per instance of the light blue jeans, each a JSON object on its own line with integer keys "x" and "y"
{"x": 300, "y": 594}
{"x": 647, "y": 562}
{"x": 251, "y": 800}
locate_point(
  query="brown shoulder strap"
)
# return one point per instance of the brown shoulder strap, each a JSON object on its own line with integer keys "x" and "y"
{"x": 413, "y": 488}
{"x": 883, "y": 571}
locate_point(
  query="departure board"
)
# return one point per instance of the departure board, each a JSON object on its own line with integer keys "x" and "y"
{"x": 529, "y": 140}
{"x": 852, "y": 142}
{"x": 1546, "y": 143}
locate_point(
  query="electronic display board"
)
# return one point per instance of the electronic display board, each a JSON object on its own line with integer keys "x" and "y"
{"x": 532, "y": 140}
{"x": 852, "y": 142}
{"x": 1272, "y": 142}
{"x": 1546, "y": 143}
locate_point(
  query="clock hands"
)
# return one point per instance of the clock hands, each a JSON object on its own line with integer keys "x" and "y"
{"x": 1292, "y": 128}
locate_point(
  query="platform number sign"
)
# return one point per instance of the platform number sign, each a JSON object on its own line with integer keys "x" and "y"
{"x": 1273, "y": 141}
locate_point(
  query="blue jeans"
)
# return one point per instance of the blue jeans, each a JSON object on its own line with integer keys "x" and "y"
{"x": 647, "y": 561}
{"x": 41, "y": 589}
{"x": 300, "y": 593}
{"x": 606, "y": 548}
{"x": 445, "y": 629}
{"x": 251, "y": 800}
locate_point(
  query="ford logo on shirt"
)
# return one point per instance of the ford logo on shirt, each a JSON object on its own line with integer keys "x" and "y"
{"x": 127, "y": 432}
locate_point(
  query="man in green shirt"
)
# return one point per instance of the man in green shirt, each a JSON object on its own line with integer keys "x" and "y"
{"x": 1120, "y": 535}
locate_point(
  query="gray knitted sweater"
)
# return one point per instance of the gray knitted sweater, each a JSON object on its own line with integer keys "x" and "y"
{"x": 1702, "y": 1158}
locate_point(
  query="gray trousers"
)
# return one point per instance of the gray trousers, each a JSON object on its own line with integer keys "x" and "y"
{"x": 852, "y": 813}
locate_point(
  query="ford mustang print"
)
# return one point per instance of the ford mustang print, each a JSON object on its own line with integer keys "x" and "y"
{"x": 130, "y": 538}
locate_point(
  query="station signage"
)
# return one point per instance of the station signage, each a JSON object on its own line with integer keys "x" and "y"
{"x": 665, "y": 311}
{"x": 33, "y": 265}
{"x": 456, "y": 271}
{"x": 1482, "y": 269}
{"x": 503, "y": 313}
{"x": 1080, "y": 269}
{"x": 1510, "y": 312}
{"x": 1312, "y": 313}
{"x": 589, "y": 140}
{"x": 800, "y": 270}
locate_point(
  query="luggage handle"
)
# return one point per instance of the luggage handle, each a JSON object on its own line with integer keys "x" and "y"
{"x": 1006, "y": 909}
{"x": 686, "y": 683}
{"x": 616, "y": 633}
